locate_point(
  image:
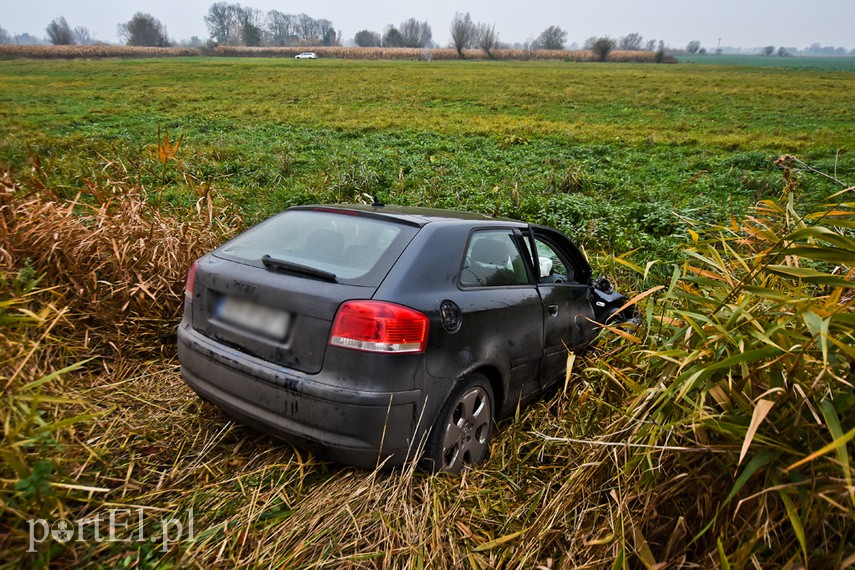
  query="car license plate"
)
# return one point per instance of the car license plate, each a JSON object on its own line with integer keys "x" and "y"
{"x": 254, "y": 317}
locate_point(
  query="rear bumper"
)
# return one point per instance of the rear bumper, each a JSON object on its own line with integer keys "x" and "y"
{"x": 354, "y": 427}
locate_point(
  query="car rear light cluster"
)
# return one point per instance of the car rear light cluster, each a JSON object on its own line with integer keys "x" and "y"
{"x": 191, "y": 281}
{"x": 377, "y": 326}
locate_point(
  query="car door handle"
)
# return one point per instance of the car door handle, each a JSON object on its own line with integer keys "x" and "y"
{"x": 552, "y": 310}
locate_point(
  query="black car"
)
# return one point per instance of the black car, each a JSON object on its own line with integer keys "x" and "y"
{"x": 372, "y": 334}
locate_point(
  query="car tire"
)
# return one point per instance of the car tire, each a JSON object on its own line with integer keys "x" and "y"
{"x": 461, "y": 434}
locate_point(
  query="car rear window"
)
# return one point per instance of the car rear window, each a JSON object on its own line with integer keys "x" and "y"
{"x": 357, "y": 249}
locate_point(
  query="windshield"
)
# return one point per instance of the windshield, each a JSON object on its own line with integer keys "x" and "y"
{"x": 350, "y": 247}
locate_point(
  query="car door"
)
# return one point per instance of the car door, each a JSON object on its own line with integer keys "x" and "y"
{"x": 563, "y": 283}
{"x": 501, "y": 308}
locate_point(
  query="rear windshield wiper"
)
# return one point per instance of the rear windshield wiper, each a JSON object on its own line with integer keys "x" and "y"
{"x": 273, "y": 263}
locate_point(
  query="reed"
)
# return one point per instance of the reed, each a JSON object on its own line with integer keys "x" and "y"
{"x": 718, "y": 433}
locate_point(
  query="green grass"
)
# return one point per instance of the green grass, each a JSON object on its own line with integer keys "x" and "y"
{"x": 620, "y": 143}
{"x": 587, "y": 103}
{"x": 690, "y": 439}
{"x": 816, "y": 63}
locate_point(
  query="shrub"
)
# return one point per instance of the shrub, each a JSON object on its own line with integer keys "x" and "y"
{"x": 602, "y": 47}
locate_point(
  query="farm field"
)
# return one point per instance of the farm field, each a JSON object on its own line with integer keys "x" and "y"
{"x": 791, "y": 62}
{"x": 575, "y": 141}
{"x": 682, "y": 441}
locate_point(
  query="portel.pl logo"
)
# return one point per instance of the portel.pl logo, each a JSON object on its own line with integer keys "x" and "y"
{"x": 119, "y": 525}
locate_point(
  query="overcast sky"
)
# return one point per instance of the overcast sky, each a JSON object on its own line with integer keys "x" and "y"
{"x": 739, "y": 23}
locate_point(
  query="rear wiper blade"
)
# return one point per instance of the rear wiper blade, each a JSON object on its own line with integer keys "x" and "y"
{"x": 273, "y": 263}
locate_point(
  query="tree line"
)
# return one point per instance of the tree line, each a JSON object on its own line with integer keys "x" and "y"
{"x": 141, "y": 30}
{"x": 235, "y": 25}
{"x": 410, "y": 33}
{"x": 230, "y": 23}
{"x": 227, "y": 23}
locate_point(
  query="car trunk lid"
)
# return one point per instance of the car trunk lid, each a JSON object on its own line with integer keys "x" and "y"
{"x": 274, "y": 290}
{"x": 279, "y": 317}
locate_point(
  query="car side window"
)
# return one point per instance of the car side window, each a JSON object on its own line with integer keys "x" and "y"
{"x": 493, "y": 260}
{"x": 551, "y": 268}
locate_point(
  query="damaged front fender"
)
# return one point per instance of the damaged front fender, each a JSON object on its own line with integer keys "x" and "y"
{"x": 608, "y": 302}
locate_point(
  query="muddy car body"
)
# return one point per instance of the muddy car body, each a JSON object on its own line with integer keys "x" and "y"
{"x": 371, "y": 333}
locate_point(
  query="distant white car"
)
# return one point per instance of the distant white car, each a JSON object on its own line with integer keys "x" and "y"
{"x": 306, "y": 55}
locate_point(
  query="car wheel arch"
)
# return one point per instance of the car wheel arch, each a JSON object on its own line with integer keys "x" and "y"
{"x": 455, "y": 410}
{"x": 494, "y": 377}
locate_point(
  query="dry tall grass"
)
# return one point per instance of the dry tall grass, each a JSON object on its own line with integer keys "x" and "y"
{"x": 8, "y": 51}
{"x": 718, "y": 434}
{"x": 438, "y": 54}
{"x": 336, "y": 52}
{"x": 116, "y": 261}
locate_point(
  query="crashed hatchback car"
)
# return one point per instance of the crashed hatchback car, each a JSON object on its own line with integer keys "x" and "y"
{"x": 376, "y": 335}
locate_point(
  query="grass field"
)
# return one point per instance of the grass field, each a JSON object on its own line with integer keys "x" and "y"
{"x": 716, "y": 434}
{"x": 799, "y": 62}
{"x": 611, "y": 142}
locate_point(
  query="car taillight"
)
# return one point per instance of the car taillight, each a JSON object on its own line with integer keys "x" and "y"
{"x": 377, "y": 326}
{"x": 191, "y": 281}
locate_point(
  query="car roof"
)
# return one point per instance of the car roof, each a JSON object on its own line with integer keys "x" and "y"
{"x": 414, "y": 215}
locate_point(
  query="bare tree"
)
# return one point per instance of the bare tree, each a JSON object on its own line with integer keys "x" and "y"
{"x": 650, "y": 45}
{"x": 488, "y": 39}
{"x": 307, "y": 27}
{"x": 221, "y": 20}
{"x": 327, "y": 33}
{"x": 463, "y": 32}
{"x": 602, "y": 47}
{"x": 367, "y": 38}
{"x": 415, "y": 34}
{"x": 768, "y": 50}
{"x": 83, "y": 36}
{"x": 5, "y": 38}
{"x": 233, "y": 24}
{"x": 392, "y": 37}
{"x": 249, "y": 25}
{"x": 693, "y": 46}
{"x": 59, "y": 32}
{"x": 281, "y": 28}
{"x": 552, "y": 37}
{"x": 143, "y": 30}
{"x": 631, "y": 42}
{"x": 26, "y": 39}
